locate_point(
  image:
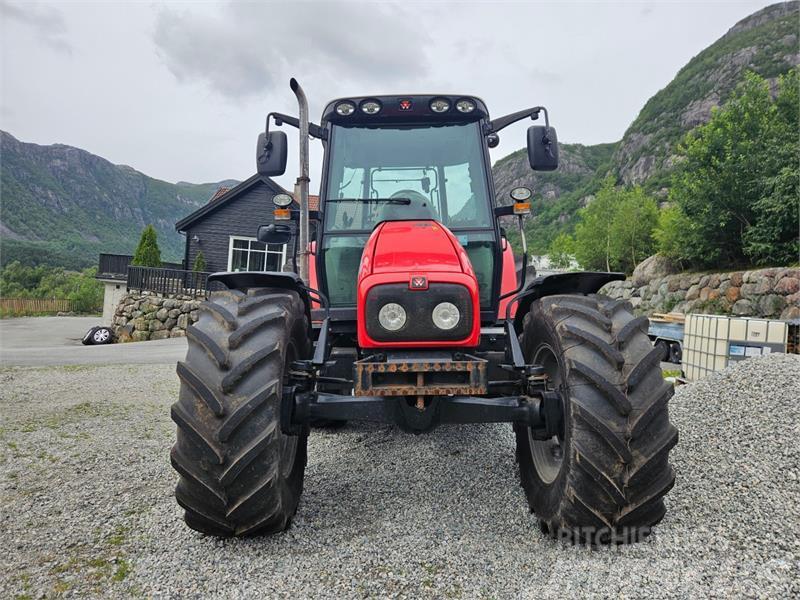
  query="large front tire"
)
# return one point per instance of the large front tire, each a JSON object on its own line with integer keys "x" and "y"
{"x": 603, "y": 479}
{"x": 239, "y": 473}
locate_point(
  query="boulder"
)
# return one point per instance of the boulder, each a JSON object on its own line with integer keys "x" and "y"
{"x": 183, "y": 321}
{"x": 714, "y": 280}
{"x": 174, "y": 313}
{"x": 771, "y": 305}
{"x": 704, "y": 292}
{"x": 162, "y": 314}
{"x": 170, "y": 323}
{"x": 121, "y": 321}
{"x": 194, "y": 315}
{"x": 704, "y": 281}
{"x": 162, "y": 334}
{"x": 651, "y": 268}
{"x": 673, "y": 283}
{"x": 147, "y": 308}
{"x": 793, "y": 299}
{"x": 693, "y": 293}
{"x": 140, "y": 336}
{"x": 748, "y": 289}
{"x": 176, "y": 333}
{"x": 732, "y": 294}
{"x": 124, "y": 334}
{"x": 170, "y": 303}
{"x": 743, "y": 308}
{"x": 790, "y": 312}
{"x": 140, "y": 324}
{"x": 788, "y": 285}
{"x": 156, "y": 325}
{"x": 763, "y": 285}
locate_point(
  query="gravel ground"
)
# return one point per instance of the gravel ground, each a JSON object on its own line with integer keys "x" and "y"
{"x": 87, "y": 506}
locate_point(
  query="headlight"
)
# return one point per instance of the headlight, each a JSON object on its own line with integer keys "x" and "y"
{"x": 465, "y": 106}
{"x": 345, "y": 109}
{"x": 446, "y": 315}
{"x": 371, "y": 107}
{"x": 392, "y": 316}
{"x": 440, "y": 105}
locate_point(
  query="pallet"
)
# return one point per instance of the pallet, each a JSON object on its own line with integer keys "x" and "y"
{"x": 668, "y": 317}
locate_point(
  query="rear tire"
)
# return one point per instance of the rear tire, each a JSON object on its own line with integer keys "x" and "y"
{"x": 604, "y": 478}
{"x": 664, "y": 348}
{"x": 239, "y": 473}
{"x": 675, "y": 353}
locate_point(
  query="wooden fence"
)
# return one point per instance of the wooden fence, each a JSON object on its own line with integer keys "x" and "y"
{"x": 27, "y": 306}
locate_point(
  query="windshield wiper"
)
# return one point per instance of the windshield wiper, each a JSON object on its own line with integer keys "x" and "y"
{"x": 404, "y": 201}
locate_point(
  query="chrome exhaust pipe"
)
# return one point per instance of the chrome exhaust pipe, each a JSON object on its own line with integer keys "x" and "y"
{"x": 301, "y": 185}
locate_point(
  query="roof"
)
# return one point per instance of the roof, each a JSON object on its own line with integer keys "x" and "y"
{"x": 222, "y": 198}
{"x": 219, "y": 193}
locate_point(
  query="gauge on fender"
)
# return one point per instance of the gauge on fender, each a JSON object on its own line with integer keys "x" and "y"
{"x": 521, "y": 194}
{"x": 282, "y": 200}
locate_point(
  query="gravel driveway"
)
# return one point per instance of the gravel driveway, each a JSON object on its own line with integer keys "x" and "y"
{"x": 87, "y": 506}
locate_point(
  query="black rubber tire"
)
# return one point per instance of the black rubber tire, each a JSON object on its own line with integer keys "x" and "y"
{"x": 664, "y": 347}
{"x": 610, "y": 482}
{"x": 675, "y": 353}
{"x": 239, "y": 473}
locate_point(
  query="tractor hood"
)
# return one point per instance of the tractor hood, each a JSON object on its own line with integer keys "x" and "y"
{"x": 418, "y": 246}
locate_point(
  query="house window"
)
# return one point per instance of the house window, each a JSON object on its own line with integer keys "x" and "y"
{"x": 248, "y": 254}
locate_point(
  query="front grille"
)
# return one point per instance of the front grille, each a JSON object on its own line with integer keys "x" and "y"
{"x": 419, "y": 305}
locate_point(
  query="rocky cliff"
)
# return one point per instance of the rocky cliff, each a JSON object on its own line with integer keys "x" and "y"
{"x": 766, "y": 42}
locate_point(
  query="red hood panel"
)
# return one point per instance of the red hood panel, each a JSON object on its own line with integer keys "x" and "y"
{"x": 415, "y": 246}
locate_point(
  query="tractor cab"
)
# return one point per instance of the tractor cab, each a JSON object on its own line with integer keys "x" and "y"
{"x": 413, "y": 158}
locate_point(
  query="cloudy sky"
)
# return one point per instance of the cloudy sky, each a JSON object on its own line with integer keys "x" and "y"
{"x": 180, "y": 90}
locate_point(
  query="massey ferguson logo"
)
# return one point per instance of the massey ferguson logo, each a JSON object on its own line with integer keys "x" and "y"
{"x": 418, "y": 282}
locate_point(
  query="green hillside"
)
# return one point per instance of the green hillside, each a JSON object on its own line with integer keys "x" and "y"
{"x": 62, "y": 205}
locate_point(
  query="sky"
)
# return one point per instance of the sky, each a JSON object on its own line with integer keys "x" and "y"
{"x": 180, "y": 90}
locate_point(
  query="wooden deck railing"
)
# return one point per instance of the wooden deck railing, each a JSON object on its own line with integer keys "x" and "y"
{"x": 170, "y": 281}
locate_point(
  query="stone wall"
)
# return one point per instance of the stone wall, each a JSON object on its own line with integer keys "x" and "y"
{"x": 772, "y": 293}
{"x": 144, "y": 316}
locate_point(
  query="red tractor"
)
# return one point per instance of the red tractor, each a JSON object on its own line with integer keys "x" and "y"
{"x": 405, "y": 308}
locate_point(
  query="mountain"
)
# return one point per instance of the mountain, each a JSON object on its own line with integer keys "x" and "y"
{"x": 766, "y": 42}
{"x": 62, "y": 205}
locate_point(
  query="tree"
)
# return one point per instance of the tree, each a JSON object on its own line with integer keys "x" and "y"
{"x": 615, "y": 232}
{"x": 631, "y": 232}
{"x": 147, "y": 252}
{"x": 562, "y": 251}
{"x": 737, "y": 179}
{"x": 592, "y": 233}
{"x": 199, "y": 262}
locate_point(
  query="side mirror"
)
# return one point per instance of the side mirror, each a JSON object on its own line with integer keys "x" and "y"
{"x": 274, "y": 234}
{"x": 271, "y": 153}
{"x": 542, "y": 148}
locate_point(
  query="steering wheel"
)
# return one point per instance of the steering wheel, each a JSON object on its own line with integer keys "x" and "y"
{"x": 417, "y": 208}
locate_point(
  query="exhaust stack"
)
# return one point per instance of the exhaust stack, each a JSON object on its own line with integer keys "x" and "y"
{"x": 301, "y": 185}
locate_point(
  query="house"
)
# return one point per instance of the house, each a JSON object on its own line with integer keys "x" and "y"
{"x": 224, "y": 229}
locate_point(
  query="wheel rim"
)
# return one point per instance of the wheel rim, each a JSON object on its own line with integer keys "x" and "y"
{"x": 101, "y": 335}
{"x": 289, "y": 442}
{"x": 548, "y": 455}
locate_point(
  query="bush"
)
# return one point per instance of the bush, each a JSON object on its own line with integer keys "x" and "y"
{"x": 199, "y": 262}
{"x": 20, "y": 281}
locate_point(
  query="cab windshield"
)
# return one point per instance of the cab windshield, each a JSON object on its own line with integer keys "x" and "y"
{"x": 406, "y": 172}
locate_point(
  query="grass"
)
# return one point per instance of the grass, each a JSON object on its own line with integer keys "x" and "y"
{"x": 671, "y": 373}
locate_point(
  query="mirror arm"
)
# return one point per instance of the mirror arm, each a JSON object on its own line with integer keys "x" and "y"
{"x": 314, "y": 131}
{"x": 502, "y": 122}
